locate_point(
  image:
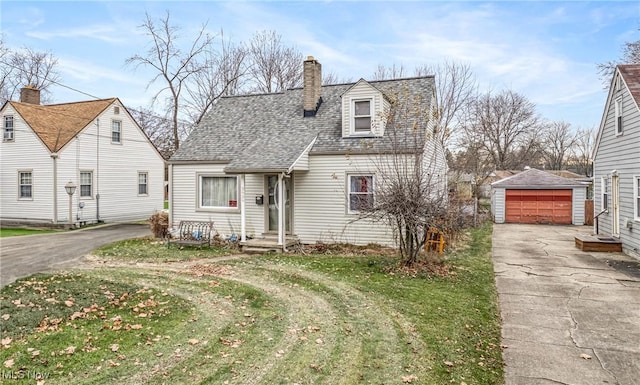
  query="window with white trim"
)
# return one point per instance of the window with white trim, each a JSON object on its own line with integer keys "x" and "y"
{"x": 636, "y": 197}
{"x": 360, "y": 192}
{"x": 143, "y": 183}
{"x": 362, "y": 115}
{"x": 8, "y": 132}
{"x": 25, "y": 180}
{"x": 116, "y": 131}
{"x": 604, "y": 194}
{"x": 218, "y": 191}
{"x": 618, "y": 111}
{"x": 86, "y": 184}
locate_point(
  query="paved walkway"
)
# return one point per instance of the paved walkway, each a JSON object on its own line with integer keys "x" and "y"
{"x": 568, "y": 316}
{"x": 29, "y": 254}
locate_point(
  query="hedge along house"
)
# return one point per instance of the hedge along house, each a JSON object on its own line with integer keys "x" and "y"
{"x": 535, "y": 196}
{"x": 96, "y": 145}
{"x": 296, "y": 165}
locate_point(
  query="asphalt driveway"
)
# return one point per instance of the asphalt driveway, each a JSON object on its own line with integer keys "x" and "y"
{"x": 24, "y": 255}
{"x": 568, "y": 316}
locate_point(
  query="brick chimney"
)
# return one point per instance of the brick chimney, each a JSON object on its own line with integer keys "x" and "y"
{"x": 30, "y": 94}
{"x": 312, "y": 83}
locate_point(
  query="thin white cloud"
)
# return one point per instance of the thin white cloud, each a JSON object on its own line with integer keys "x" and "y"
{"x": 106, "y": 33}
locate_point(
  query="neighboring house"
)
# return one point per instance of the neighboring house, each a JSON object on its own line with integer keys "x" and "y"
{"x": 616, "y": 161}
{"x": 536, "y": 196}
{"x": 461, "y": 184}
{"x": 493, "y": 176}
{"x": 300, "y": 163}
{"x": 96, "y": 145}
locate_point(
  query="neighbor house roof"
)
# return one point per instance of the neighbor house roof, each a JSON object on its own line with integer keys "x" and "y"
{"x": 263, "y": 132}
{"x": 631, "y": 75}
{"x": 536, "y": 179}
{"x": 57, "y": 124}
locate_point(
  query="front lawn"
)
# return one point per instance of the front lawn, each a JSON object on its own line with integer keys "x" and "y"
{"x": 11, "y": 232}
{"x": 275, "y": 319}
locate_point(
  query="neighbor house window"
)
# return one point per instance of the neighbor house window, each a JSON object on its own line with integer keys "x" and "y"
{"x": 360, "y": 193}
{"x": 218, "y": 191}
{"x": 636, "y": 197}
{"x": 86, "y": 184}
{"x": 116, "y": 131}
{"x": 25, "y": 179}
{"x": 362, "y": 115}
{"x": 605, "y": 193}
{"x": 618, "y": 108}
{"x": 8, "y": 129}
{"x": 143, "y": 180}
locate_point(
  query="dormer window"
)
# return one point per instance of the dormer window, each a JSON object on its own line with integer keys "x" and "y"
{"x": 362, "y": 115}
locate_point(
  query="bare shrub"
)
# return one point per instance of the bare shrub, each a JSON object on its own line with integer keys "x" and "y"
{"x": 159, "y": 224}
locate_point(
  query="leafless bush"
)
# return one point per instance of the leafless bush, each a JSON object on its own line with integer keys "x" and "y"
{"x": 159, "y": 224}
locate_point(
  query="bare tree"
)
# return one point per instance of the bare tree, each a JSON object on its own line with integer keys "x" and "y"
{"x": 581, "y": 151}
{"x": 630, "y": 55}
{"x": 455, "y": 88}
{"x": 409, "y": 194}
{"x": 506, "y": 127}
{"x": 557, "y": 141}
{"x": 173, "y": 66}
{"x": 329, "y": 78}
{"x": 223, "y": 74}
{"x": 274, "y": 67}
{"x": 26, "y": 67}
{"x": 157, "y": 128}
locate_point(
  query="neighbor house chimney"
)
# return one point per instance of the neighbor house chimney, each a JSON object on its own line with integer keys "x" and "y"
{"x": 30, "y": 94}
{"x": 312, "y": 83}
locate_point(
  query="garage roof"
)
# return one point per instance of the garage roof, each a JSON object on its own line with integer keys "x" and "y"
{"x": 536, "y": 179}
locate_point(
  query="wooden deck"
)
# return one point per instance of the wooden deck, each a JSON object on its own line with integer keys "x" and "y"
{"x": 597, "y": 243}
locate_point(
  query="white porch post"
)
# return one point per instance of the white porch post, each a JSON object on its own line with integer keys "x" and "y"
{"x": 281, "y": 210}
{"x": 243, "y": 222}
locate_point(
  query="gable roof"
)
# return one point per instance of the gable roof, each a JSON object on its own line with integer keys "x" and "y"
{"x": 57, "y": 124}
{"x": 630, "y": 75}
{"x": 536, "y": 179}
{"x": 264, "y": 132}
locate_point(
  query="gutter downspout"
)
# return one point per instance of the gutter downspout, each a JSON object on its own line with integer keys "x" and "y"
{"x": 281, "y": 210}
{"x": 98, "y": 170}
{"x": 243, "y": 221}
{"x": 54, "y": 157}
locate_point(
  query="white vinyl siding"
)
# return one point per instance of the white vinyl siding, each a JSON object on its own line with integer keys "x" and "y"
{"x": 25, "y": 185}
{"x": 498, "y": 204}
{"x": 8, "y": 130}
{"x": 143, "y": 183}
{"x": 360, "y": 93}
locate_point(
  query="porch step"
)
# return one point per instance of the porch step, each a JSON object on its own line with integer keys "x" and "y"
{"x": 269, "y": 243}
{"x": 597, "y": 243}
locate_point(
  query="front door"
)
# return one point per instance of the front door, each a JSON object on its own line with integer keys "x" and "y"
{"x": 615, "y": 202}
{"x": 274, "y": 205}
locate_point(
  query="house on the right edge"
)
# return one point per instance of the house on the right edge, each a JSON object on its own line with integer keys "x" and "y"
{"x": 616, "y": 161}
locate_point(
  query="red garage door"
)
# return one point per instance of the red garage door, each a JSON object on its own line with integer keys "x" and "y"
{"x": 538, "y": 206}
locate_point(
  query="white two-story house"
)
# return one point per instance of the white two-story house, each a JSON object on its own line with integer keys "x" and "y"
{"x": 94, "y": 145}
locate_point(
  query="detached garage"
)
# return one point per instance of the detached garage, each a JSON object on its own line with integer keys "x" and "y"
{"x": 535, "y": 196}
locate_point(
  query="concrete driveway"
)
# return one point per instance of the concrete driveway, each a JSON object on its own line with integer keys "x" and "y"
{"x": 568, "y": 316}
{"x": 25, "y": 255}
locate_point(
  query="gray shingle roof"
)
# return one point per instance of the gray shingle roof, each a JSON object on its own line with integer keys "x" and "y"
{"x": 536, "y": 179}
{"x": 269, "y": 132}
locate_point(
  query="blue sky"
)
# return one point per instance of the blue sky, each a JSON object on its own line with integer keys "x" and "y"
{"x": 545, "y": 50}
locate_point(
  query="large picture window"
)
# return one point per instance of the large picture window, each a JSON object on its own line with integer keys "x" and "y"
{"x": 360, "y": 193}
{"x": 86, "y": 184}
{"x": 26, "y": 185}
{"x": 218, "y": 191}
